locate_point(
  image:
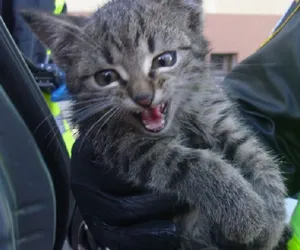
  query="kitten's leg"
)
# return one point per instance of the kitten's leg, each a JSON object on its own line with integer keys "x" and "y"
{"x": 260, "y": 169}
{"x": 197, "y": 231}
{"x": 200, "y": 177}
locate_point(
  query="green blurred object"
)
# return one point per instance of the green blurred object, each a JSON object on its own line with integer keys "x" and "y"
{"x": 294, "y": 243}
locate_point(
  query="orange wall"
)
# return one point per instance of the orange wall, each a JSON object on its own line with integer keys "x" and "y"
{"x": 241, "y": 34}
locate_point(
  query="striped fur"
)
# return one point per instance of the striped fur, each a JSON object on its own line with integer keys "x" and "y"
{"x": 205, "y": 155}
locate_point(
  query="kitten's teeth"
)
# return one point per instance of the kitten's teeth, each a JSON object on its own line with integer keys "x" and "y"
{"x": 152, "y": 126}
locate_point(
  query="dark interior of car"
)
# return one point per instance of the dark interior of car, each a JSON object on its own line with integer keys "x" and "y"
{"x": 36, "y": 204}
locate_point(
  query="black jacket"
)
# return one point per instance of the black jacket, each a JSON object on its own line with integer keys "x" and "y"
{"x": 267, "y": 87}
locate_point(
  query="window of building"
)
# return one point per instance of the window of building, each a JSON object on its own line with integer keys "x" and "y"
{"x": 222, "y": 64}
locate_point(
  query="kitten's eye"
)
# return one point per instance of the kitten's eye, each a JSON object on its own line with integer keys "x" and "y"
{"x": 167, "y": 59}
{"x": 106, "y": 77}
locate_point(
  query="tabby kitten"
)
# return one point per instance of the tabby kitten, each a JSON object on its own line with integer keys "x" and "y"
{"x": 144, "y": 98}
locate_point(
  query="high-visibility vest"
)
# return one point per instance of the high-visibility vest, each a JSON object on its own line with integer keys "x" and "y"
{"x": 59, "y": 6}
{"x": 62, "y": 123}
{"x": 55, "y": 109}
{"x": 294, "y": 243}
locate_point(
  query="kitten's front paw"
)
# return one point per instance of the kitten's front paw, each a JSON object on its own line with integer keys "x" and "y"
{"x": 245, "y": 220}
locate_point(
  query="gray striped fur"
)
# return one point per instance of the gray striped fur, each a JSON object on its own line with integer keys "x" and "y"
{"x": 206, "y": 155}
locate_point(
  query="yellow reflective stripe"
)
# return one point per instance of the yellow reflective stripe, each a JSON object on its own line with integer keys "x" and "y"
{"x": 294, "y": 243}
{"x": 54, "y": 107}
{"x": 63, "y": 125}
{"x": 281, "y": 26}
{"x": 68, "y": 137}
{"x": 59, "y": 5}
{"x": 66, "y": 125}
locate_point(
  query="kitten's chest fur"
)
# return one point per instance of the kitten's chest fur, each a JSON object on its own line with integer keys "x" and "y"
{"x": 194, "y": 140}
{"x": 195, "y": 135}
{"x": 192, "y": 133}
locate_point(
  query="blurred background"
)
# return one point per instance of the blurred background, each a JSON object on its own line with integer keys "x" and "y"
{"x": 235, "y": 28}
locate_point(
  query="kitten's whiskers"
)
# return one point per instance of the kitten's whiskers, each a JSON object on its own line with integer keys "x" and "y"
{"x": 112, "y": 117}
{"x": 88, "y": 112}
{"x": 108, "y": 113}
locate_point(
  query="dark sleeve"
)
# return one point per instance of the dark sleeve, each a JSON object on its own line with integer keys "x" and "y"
{"x": 118, "y": 215}
{"x": 267, "y": 87}
{"x": 6, "y": 12}
{"x": 26, "y": 41}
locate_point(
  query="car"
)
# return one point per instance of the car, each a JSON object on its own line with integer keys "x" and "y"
{"x": 37, "y": 210}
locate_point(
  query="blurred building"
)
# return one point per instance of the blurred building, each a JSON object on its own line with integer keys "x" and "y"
{"x": 235, "y": 28}
{"x": 84, "y": 7}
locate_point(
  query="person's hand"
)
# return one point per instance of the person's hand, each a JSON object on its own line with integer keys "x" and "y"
{"x": 118, "y": 215}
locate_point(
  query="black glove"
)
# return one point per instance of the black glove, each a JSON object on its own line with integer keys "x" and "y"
{"x": 118, "y": 215}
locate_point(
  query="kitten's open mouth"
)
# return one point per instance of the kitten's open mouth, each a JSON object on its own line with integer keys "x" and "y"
{"x": 154, "y": 118}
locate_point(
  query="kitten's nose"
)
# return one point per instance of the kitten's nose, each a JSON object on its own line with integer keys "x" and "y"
{"x": 143, "y": 99}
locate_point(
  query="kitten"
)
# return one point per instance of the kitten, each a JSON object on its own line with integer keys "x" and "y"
{"x": 144, "y": 98}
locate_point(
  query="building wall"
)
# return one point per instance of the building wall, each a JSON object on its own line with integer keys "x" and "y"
{"x": 236, "y": 28}
{"x": 87, "y": 6}
{"x": 232, "y": 26}
{"x": 261, "y": 7}
{"x": 248, "y": 7}
{"x": 238, "y": 34}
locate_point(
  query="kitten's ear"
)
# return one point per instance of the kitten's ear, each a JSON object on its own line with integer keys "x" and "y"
{"x": 57, "y": 32}
{"x": 195, "y": 20}
{"x": 195, "y": 9}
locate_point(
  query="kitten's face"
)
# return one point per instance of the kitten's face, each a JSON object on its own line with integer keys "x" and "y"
{"x": 139, "y": 61}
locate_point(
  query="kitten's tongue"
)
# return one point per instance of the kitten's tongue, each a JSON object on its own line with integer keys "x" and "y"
{"x": 153, "y": 119}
